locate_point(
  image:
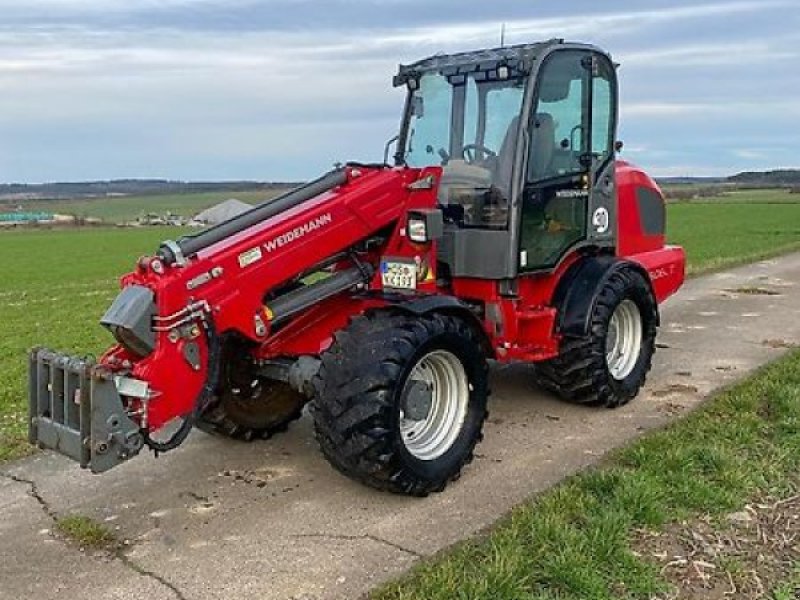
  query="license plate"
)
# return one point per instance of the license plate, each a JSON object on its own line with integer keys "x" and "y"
{"x": 399, "y": 275}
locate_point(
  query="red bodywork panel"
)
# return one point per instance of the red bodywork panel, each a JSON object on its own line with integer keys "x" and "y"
{"x": 632, "y": 236}
{"x": 232, "y": 277}
{"x": 637, "y": 192}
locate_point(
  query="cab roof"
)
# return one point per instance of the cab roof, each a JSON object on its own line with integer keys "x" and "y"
{"x": 518, "y": 58}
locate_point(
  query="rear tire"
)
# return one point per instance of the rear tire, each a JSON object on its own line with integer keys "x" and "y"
{"x": 400, "y": 401}
{"x": 609, "y": 367}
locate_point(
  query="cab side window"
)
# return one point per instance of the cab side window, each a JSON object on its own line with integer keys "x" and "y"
{"x": 558, "y": 130}
{"x": 603, "y": 111}
{"x": 430, "y": 125}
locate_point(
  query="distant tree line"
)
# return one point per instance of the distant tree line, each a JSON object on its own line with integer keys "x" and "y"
{"x": 693, "y": 192}
{"x": 689, "y": 188}
{"x": 129, "y": 187}
{"x": 686, "y": 188}
{"x": 778, "y": 178}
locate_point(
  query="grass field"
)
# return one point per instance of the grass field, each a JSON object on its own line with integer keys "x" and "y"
{"x": 718, "y": 235}
{"x": 734, "y": 195}
{"x": 768, "y": 196}
{"x": 56, "y": 284}
{"x": 128, "y": 208}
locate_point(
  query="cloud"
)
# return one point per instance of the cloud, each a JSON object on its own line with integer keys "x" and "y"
{"x": 282, "y": 88}
{"x": 588, "y": 24}
{"x": 375, "y": 13}
{"x": 688, "y": 170}
{"x": 750, "y": 155}
{"x": 780, "y": 109}
{"x": 738, "y": 54}
{"x": 72, "y": 48}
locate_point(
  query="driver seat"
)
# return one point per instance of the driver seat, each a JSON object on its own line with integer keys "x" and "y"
{"x": 505, "y": 159}
{"x": 541, "y": 156}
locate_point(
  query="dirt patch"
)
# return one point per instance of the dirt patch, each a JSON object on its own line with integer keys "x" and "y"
{"x": 779, "y": 344}
{"x": 675, "y": 388}
{"x": 259, "y": 478}
{"x": 745, "y": 555}
{"x": 754, "y": 291}
{"x": 672, "y": 409}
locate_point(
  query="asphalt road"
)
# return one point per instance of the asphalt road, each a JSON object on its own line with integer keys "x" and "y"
{"x": 219, "y": 519}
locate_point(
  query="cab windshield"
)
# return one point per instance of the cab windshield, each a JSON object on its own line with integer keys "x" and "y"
{"x": 468, "y": 125}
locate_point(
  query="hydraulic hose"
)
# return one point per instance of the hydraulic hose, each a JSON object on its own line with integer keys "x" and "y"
{"x": 203, "y": 397}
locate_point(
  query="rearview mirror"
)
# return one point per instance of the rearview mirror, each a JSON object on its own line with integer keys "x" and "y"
{"x": 555, "y": 90}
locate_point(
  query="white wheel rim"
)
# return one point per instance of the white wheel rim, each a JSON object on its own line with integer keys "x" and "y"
{"x": 624, "y": 340}
{"x": 433, "y": 436}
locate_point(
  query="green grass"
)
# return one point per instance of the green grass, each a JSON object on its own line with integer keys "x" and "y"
{"x": 718, "y": 236}
{"x": 574, "y": 542}
{"x": 733, "y": 195}
{"x": 127, "y": 208}
{"x": 789, "y": 590}
{"x": 54, "y": 288}
{"x": 766, "y": 196}
{"x": 85, "y": 532}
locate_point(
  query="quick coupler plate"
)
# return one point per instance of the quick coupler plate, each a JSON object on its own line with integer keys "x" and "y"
{"x": 76, "y": 410}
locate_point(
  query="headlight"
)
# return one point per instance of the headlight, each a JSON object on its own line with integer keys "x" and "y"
{"x": 424, "y": 225}
{"x": 417, "y": 231}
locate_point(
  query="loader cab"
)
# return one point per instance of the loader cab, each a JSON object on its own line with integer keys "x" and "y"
{"x": 525, "y": 137}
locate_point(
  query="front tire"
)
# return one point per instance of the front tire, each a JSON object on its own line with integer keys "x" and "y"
{"x": 400, "y": 401}
{"x": 610, "y": 366}
{"x": 248, "y": 407}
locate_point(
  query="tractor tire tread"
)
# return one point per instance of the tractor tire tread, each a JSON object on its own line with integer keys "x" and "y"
{"x": 353, "y": 403}
{"x": 579, "y": 373}
{"x": 216, "y": 421}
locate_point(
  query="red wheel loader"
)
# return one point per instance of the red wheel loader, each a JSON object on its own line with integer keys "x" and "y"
{"x": 506, "y": 229}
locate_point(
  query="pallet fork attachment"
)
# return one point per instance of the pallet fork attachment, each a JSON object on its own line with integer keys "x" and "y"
{"x": 75, "y": 409}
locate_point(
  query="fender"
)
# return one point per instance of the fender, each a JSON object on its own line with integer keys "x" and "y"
{"x": 577, "y": 292}
{"x": 419, "y": 306}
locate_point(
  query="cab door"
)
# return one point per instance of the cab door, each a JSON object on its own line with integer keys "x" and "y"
{"x": 602, "y": 211}
{"x": 570, "y": 154}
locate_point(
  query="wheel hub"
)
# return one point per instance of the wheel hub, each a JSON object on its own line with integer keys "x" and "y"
{"x": 417, "y": 400}
{"x": 624, "y": 340}
{"x": 433, "y": 405}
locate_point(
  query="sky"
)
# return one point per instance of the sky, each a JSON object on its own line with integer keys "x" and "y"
{"x": 282, "y": 89}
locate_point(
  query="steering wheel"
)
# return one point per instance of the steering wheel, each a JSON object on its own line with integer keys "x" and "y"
{"x": 471, "y": 152}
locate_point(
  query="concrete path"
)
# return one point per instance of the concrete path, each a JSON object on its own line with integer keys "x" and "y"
{"x": 218, "y": 519}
